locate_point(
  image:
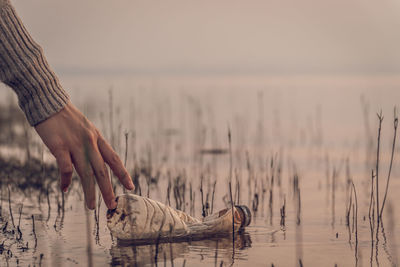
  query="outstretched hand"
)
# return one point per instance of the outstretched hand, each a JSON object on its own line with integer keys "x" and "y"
{"x": 74, "y": 140}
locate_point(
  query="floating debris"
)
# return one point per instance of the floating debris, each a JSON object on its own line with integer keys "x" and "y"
{"x": 143, "y": 220}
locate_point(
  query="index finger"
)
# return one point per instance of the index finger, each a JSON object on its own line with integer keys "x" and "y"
{"x": 115, "y": 163}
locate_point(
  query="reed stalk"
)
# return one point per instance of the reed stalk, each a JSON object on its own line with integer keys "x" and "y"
{"x": 380, "y": 118}
{"x": 395, "y": 123}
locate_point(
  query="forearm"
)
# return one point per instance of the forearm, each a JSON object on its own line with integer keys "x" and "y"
{"x": 24, "y": 68}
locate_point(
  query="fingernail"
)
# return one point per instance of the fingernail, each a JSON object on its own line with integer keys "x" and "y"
{"x": 113, "y": 205}
{"x": 91, "y": 206}
{"x": 131, "y": 186}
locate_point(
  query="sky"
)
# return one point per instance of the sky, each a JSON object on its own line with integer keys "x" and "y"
{"x": 216, "y": 36}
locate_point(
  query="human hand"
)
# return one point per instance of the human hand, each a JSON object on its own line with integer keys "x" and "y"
{"x": 73, "y": 139}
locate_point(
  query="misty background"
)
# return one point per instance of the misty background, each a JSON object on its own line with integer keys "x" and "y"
{"x": 214, "y": 37}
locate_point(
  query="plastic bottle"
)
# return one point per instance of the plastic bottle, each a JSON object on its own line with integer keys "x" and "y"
{"x": 143, "y": 220}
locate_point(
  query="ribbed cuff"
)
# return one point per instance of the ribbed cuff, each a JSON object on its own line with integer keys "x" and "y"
{"x": 24, "y": 68}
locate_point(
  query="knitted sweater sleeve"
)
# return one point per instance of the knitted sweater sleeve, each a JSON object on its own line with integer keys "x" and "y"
{"x": 24, "y": 68}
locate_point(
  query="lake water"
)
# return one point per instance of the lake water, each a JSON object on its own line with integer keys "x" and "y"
{"x": 297, "y": 141}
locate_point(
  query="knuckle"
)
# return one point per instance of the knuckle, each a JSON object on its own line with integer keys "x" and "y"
{"x": 90, "y": 137}
{"x": 102, "y": 173}
{"x": 58, "y": 148}
{"x": 89, "y": 172}
{"x": 66, "y": 170}
{"x": 114, "y": 159}
{"x": 58, "y": 144}
{"x": 97, "y": 132}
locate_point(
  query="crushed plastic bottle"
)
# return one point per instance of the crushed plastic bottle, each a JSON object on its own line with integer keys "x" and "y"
{"x": 142, "y": 220}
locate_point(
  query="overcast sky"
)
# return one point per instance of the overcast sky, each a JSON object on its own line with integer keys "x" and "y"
{"x": 217, "y": 36}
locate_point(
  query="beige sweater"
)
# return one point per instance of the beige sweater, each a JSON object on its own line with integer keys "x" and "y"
{"x": 24, "y": 68}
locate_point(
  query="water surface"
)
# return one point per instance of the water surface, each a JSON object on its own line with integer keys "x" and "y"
{"x": 297, "y": 141}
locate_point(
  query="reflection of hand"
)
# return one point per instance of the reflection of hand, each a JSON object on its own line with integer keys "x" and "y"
{"x": 72, "y": 138}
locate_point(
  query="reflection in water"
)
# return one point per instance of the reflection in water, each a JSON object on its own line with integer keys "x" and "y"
{"x": 164, "y": 252}
{"x": 299, "y": 227}
{"x": 392, "y": 240}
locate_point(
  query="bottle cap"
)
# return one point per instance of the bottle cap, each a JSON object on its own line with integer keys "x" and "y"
{"x": 245, "y": 214}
